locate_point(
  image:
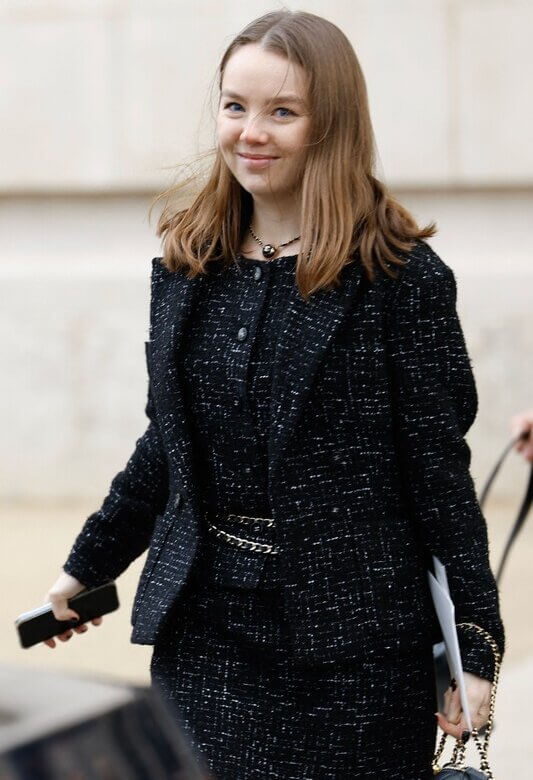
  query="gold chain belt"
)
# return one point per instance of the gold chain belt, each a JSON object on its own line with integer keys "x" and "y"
{"x": 245, "y": 544}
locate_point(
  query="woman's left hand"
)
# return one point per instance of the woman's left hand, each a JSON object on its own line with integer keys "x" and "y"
{"x": 478, "y": 690}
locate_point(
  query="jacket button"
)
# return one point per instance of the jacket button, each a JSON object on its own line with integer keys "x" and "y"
{"x": 177, "y": 501}
{"x": 242, "y": 333}
{"x": 257, "y": 273}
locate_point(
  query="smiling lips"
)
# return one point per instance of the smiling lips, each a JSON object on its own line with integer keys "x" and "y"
{"x": 255, "y": 161}
{"x": 257, "y": 156}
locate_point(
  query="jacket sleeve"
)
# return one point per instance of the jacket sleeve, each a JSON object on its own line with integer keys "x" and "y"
{"x": 120, "y": 530}
{"x": 434, "y": 399}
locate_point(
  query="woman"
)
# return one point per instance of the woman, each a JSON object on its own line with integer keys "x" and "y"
{"x": 309, "y": 394}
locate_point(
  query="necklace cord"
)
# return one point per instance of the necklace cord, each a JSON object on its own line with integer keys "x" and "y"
{"x": 269, "y": 250}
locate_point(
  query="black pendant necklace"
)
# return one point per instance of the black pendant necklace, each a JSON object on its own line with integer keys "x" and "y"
{"x": 268, "y": 249}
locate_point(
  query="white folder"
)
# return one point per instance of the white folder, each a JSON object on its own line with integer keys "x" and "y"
{"x": 445, "y": 609}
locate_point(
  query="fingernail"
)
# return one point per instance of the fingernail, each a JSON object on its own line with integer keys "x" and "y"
{"x": 465, "y": 736}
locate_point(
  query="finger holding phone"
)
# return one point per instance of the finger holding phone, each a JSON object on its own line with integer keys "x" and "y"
{"x": 69, "y": 607}
{"x": 65, "y": 587}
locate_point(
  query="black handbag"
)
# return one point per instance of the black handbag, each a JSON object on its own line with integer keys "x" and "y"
{"x": 467, "y": 774}
{"x": 455, "y": 769}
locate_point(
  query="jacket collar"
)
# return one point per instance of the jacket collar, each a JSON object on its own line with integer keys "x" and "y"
{"x": 305, "y": 333}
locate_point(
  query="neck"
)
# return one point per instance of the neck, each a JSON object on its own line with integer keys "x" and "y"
{"x": 276, "y": 223}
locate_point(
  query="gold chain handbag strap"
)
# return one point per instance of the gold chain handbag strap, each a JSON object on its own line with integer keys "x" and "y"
{"x": 458, "y": 755}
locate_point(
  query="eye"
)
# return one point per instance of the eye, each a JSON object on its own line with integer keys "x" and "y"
{"x": 284, "y": 116}
{"x": 228, "y": 105}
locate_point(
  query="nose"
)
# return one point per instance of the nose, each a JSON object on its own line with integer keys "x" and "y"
{"x": 253, "y": 130}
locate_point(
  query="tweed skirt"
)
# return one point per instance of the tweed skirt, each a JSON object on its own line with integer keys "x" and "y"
{"x": 223, "y": 663}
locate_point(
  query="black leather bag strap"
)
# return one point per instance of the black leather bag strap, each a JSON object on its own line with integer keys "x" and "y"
{"x": 524, "y": 508}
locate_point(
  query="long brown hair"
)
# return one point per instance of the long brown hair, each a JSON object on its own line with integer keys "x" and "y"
{"x": 344, "y": 208}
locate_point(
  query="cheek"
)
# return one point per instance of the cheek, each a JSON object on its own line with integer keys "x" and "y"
{"x": 296, "y": 143}
{"x": 227, "y": 134}
{"x": 296, "y": 156}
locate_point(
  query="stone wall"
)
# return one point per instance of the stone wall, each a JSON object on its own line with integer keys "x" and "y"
{"x": 101, "y": 99}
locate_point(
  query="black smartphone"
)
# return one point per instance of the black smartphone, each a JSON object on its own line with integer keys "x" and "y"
{"x": 39, "y": 624}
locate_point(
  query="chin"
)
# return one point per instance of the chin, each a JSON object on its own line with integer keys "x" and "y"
{"x": 254, "y": 187}
{"x": 257, "y": 186}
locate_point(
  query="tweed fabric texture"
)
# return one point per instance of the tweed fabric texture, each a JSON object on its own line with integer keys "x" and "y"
{"x": 250, "y": 711}
{"x": 226, "y": 374}
{"x": 224, "y": 660}
{"x": 372, "y": 394}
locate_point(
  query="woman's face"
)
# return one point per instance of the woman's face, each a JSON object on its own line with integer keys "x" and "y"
{"x": 263, "y": 121}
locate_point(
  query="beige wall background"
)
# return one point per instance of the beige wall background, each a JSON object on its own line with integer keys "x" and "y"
{"x": 99, "y": 100}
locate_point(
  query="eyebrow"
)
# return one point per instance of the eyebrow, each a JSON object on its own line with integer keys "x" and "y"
{"x": 289, "y": 98}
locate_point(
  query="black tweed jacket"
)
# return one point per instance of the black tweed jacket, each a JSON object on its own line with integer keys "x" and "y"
{"x": 372, "y": 395}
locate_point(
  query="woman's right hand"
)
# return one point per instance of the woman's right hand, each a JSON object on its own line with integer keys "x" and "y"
{"x": 65, "y": 587}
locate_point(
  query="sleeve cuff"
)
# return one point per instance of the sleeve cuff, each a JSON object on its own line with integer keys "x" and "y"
{"x": 476, "y": 654}
{"x": 83, "y": 572}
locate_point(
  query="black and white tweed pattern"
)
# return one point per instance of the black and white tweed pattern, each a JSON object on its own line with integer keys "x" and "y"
{"x": 227, "y": 386}
{"x": 368, "y": 472}
{"x": 224, "y": 664}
